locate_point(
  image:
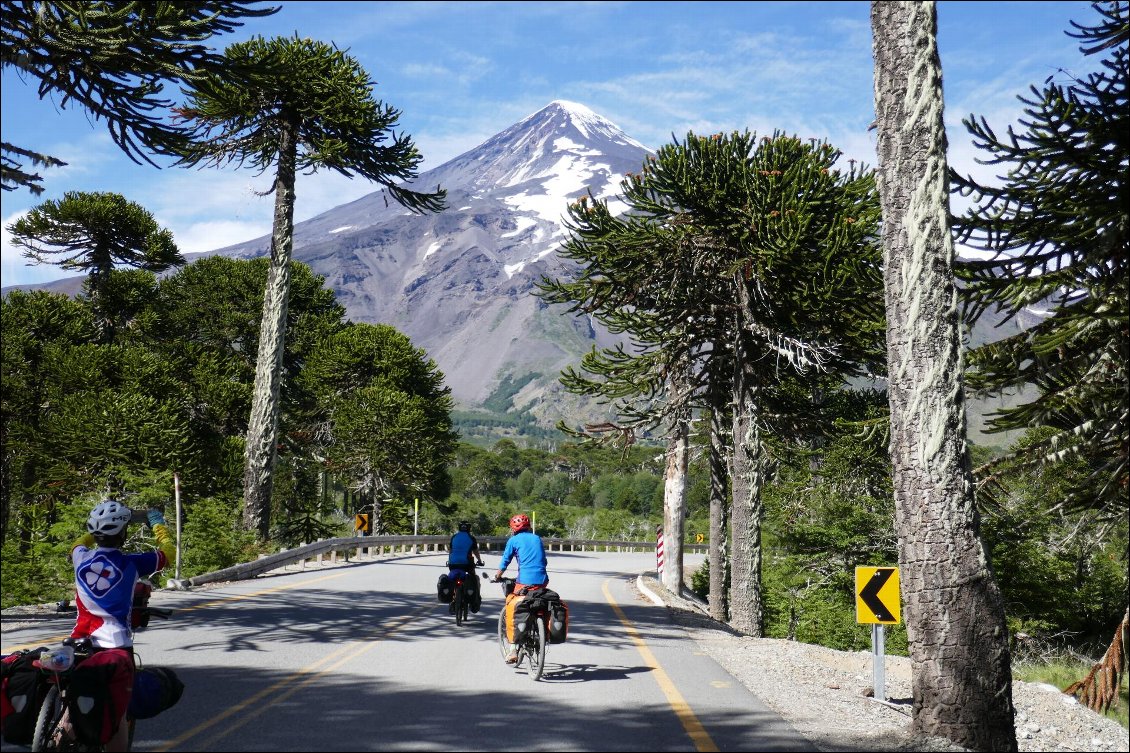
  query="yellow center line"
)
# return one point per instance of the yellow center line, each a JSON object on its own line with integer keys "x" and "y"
{"x": 202, "y": 605}
{"x": 351, "y": 652}
{"x": 691, "y": 724}
{"x": 238, "y": 597}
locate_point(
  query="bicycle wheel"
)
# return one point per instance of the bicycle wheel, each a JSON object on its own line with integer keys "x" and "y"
{"x": 50, "y": 713}
{"x": 458, "y": 603}
{"x": 535, "y": 649}
{"x": 503, "y": 644}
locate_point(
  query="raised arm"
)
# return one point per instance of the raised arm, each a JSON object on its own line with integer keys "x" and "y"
{"x": 165, "y": 544}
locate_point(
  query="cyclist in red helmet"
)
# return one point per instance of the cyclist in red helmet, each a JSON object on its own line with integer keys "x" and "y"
{"x": 528, "y": 548}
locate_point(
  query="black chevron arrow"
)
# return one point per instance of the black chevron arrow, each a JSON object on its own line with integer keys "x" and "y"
{"x": 870, "y": 594}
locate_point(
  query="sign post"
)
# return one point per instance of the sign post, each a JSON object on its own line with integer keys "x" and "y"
{"x": 659, "y": 552}
{"x": 877, "y": 604}
{"x": 416, "y": 527}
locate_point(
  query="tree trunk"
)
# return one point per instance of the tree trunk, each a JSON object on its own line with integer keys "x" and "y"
{"x": 746, "y": 608}
{"x": 262, "y": 428}
{"x": 675, "y": 502}
{"x": 719, "y": 451}
{"x": 962, "y": 683}
{"x": 716, "y": 599}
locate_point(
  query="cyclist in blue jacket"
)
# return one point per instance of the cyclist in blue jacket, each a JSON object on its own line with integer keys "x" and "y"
{"x": 463, "y": 555}
{"x": 527, "y": 547}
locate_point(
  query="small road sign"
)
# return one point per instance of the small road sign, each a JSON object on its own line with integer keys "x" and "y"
{"x": 363, "y": 524}
{"x": 877, "y": 595}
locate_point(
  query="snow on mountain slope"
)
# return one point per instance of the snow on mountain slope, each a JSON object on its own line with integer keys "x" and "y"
{"x": 460, "y": 282}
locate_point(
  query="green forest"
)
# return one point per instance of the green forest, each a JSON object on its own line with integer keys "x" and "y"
{"x": 86, "y": 417}
{"x": 754, "y": 280}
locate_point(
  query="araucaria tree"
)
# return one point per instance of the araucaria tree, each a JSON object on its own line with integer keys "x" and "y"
{"x": 92, "y": 233}
{"x": 754, "y": 263}
{"x": 303, "y": 105}
{"x": 112, "y": 58}
{"x": 958, "y": 642}
{"x": 1058, "y": 237}
{"x": 387, "y": 417}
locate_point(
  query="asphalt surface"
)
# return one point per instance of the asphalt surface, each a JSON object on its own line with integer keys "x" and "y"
{"x": 362, "y": 657}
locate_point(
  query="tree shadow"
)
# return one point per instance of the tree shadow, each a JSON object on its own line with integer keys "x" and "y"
{"x": 349, "y": 712}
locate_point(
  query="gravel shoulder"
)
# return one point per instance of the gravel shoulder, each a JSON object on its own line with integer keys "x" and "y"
{"x": 824, "y": 693}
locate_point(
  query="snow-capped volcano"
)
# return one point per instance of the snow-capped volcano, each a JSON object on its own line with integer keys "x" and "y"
{"x": 460, "y": 282}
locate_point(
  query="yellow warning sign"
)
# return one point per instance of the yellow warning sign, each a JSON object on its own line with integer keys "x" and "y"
{"x": 361, "y": 523}
{"x": 877, "y": 596}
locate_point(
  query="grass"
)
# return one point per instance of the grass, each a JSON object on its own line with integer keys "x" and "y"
{"x": 1063, "y": 672}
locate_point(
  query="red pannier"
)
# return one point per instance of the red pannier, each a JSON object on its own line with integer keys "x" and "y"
{"x": 99, "y": 694}
{"x": 21, "y": 694}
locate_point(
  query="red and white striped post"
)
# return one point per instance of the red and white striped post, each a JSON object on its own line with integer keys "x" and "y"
{"x": 659, "y": 551}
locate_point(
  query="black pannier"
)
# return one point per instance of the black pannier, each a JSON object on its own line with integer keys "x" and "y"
{"x": 445, "y": 589}
{"x": 557, "y": 611}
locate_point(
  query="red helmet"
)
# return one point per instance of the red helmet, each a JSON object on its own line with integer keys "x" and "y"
{"x": 519, "y": 522}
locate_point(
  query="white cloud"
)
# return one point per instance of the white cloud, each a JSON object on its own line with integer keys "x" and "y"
{"x": 209, "y": 235}
{"x": 15, "y": 269}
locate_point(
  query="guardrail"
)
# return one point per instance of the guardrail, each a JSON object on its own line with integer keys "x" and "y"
{"x": 373, "y": 546}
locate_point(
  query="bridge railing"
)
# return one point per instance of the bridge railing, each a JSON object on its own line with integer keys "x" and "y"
{"x": 373, "y": 546}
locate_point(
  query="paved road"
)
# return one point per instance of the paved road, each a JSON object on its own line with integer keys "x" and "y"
{"x": 360, "y": 657}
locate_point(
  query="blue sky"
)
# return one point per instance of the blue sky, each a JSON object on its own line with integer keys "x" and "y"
{"x": 461, "y": 72}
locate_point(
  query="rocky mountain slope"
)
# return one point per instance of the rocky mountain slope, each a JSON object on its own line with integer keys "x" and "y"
{"x": 460, "y": 282}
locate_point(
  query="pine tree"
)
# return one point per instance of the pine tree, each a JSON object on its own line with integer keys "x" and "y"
{"x": 749, "y": 261}
{"x": 1058, "y": 237}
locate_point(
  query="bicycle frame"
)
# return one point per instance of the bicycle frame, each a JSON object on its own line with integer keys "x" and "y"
{"x": 51, "y": 731}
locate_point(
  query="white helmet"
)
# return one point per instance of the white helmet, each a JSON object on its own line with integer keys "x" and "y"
{"x": 109, "y": 517}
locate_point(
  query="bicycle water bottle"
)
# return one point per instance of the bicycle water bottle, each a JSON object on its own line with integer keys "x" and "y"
{"x": 58, "y": 659}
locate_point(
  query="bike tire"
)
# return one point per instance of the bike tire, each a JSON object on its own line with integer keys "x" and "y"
{"x": 535, "y": 649}
{"x": 458, "y": 603}
{"x": 50, "y": 714}
{"x": 503, "y": 643}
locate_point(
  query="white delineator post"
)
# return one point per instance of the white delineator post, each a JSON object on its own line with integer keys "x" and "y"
{"x": 878, "y": 659}
{"x": 659, "y": 551}
{"x": 176, "y": 497}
